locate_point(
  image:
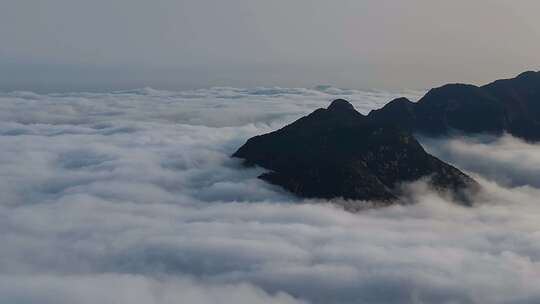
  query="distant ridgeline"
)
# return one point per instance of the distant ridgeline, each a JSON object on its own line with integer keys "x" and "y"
{"x": 509, "y": 105}
{"x": 339, "y": 153}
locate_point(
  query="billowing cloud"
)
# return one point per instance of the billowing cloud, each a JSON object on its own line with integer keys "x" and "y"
{"x": 131, "y": 197}
{"x": 134, "y": 289}
{"x": 507, "y": 160}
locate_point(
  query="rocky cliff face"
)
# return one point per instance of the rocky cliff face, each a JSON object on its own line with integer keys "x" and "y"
{"x": 510, "y": 105}
{"x": 338, "y": 152}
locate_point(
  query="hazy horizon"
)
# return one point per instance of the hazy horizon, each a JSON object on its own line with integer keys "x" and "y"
{"x": 121, "y": 84}
{"x": 60, "y": 45}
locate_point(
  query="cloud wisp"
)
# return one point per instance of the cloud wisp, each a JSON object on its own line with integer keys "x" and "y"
{"x": 131, "y": 197}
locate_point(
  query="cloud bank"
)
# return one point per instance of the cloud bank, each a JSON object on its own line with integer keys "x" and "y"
{"x": 131, "y": 197}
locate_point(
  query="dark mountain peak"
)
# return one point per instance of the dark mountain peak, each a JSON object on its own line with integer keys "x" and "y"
{"x": 341, "y": 105}
{"x": 454, "y": 90}
{"x": 503, "y": 106}
{"x": 338, "y": 114}
{"x": 528, "y": 74}
{"x": 338, "y": 152}
{"x": 529, "y": 80}
{"x": 400, "y": 100}
{"x": 399, "y": 112}
{"x": 399, "y": 104}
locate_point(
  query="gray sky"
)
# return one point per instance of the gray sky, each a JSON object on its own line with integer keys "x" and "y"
{"x": 59, "y": 45}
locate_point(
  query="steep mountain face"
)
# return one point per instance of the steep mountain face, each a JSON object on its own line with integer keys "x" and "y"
{"x": 510, "y": 105}
{"x": 520, "y": 97}
{"x": 338, "y": 152}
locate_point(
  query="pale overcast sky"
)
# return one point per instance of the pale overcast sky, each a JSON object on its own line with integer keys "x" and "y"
{"x": 62, "y": 45}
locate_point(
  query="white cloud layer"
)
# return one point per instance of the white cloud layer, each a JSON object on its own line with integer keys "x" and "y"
{"x": 131, "y": 197}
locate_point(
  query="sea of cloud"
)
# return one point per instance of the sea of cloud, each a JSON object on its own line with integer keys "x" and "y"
{"x": 131, "y": 197}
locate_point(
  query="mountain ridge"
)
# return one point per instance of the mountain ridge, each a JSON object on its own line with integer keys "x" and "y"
{"x": 503, "y": 106}
{"x": 338, "y": 153}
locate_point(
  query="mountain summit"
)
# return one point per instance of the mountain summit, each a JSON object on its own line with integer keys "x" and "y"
{"x": 338, "y": 152}
{"x": 340, "y": 105}
{"x": 504, "y": 106}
